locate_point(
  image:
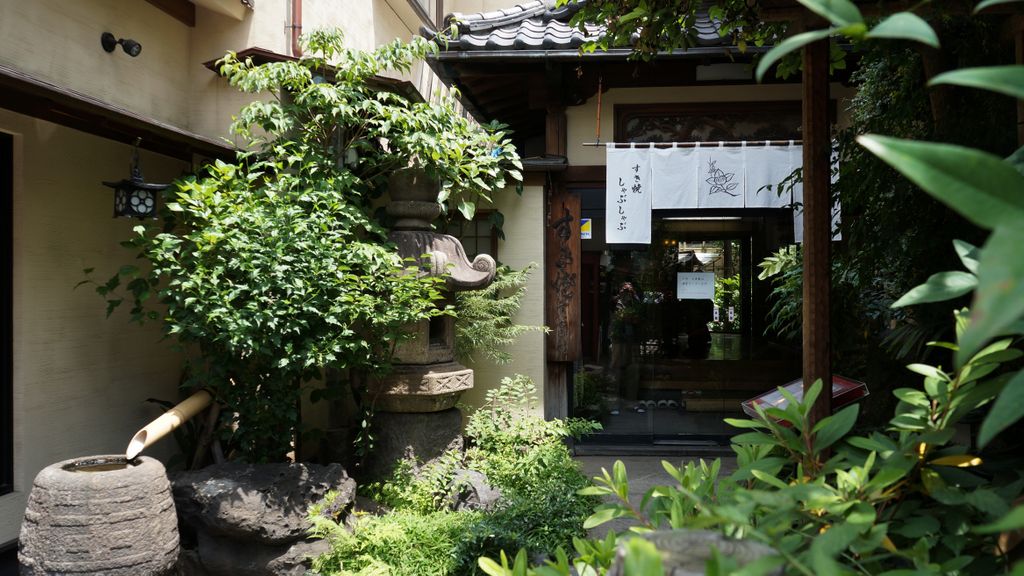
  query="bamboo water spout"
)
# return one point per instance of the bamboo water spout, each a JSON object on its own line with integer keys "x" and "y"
{"x": 167, "y": 422}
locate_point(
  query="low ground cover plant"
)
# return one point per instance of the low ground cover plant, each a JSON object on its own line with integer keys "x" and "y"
{"x": 903, "y": 501}
{"x": 520, "y": 453}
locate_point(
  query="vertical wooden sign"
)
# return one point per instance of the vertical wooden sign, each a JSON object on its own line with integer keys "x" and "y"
{"x": 562, "y": 274}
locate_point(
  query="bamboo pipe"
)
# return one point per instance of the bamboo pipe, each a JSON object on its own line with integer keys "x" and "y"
{"x": 167, "y": 422}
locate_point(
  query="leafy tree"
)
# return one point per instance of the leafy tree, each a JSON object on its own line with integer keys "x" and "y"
{"x": 273, "y": 266}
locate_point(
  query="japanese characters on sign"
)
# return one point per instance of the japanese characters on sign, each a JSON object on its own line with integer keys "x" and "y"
{"x": 628, "y": 196}
{"x": 708, "y": 176}
{"x": 695, "y": 285}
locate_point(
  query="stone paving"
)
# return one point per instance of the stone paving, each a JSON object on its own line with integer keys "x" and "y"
{"x": 643, "y": 472}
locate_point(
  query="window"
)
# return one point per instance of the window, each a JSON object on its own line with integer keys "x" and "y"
{"x": 478, "y": 236}
{"x": 6, "y": 323}
{"x": 430, "y": 11}
{"x": 707, "y": 122}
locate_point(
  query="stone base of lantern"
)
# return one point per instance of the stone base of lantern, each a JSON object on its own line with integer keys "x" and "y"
{"x": 407, "y": 436}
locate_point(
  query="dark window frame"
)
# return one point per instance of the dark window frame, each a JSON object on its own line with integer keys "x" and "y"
{"x": 479, "y": 216}
{"x": 763, "y": 112}
{"x": 433, "y": 20}
{"x": 6, "y": 316}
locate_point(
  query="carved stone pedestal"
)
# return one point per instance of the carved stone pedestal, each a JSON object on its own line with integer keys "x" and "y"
{"x": 420, "y": 437}
{"x": 414, "y": 404}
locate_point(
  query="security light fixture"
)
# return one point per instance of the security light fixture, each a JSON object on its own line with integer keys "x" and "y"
{"x": 130, "y": 47}
{"x": 134, "y": 197}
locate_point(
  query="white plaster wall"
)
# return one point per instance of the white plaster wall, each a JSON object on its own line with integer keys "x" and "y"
{"x": 59, "y": 41}
{"x": 471, "y": 6}
{"x": 80, "y": 379}
{"x": 523, "y": 244}
{"x": 582, "y": 119}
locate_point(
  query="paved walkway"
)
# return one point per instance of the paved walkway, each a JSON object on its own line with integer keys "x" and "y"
{"x": 643, "y": 473}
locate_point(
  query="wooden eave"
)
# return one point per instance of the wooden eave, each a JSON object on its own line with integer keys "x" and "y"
{"x": 263, "y": 56}
{"x": 25, "y": 94}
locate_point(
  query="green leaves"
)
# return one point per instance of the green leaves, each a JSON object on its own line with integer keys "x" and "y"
{"x": 939, "y": 287}
{"x": 788, "y": 45}
{"x": 1005, "y": 411}
{"x": 1008, "y": 80}
{"x": 999, "y": 301}
{"x": 980, "y": 186}
{"x": 839, "y": 12}
{"x": 990, "y": 3}
{"x": 1014, "y": 520}
{"x": 905, "y": 26}
{"x": 831, "y": 429}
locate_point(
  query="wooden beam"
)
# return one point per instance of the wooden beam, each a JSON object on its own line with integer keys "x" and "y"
{"x": 817, "y": 150}
{"x": 25, "y": 94}
{"x": 181, "y": 10}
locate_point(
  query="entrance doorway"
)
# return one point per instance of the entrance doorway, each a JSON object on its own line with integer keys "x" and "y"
{"x": 677, "y": 327}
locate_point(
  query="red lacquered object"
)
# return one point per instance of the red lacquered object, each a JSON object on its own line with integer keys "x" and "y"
{"x": 845, "y": 391}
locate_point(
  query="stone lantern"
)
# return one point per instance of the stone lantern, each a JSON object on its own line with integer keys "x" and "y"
{"x": 415, "y": 403}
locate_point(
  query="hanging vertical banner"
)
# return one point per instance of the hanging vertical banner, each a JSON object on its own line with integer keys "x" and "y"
{"x": 720, "y": 179}
{"x": 674, "y": 177}
{"x": 766, "y": 167}
{"x": 628, "y": 196}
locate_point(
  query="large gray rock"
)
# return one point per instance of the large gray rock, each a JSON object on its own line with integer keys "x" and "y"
{"x": 216, "y": 556}
{"x": 470, "y": 490}
{"x": 264, "y": 503}
{"x": 686, "y": 552}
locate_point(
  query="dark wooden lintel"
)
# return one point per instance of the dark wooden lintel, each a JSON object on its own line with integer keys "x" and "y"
{"x": 27, "y": 95}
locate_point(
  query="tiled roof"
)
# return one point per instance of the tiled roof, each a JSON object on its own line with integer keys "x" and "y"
{"x": 539, "y": 25}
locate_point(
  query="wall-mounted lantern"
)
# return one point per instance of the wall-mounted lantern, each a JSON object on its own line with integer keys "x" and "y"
{"x": 134, "y": 197}
{"x": 130, "y": 47}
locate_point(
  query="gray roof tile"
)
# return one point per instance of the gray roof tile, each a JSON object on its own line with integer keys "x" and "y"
{"x": 539, "y": 25}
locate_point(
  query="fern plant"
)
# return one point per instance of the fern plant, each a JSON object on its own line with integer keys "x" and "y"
{"x": 486, "y": 318}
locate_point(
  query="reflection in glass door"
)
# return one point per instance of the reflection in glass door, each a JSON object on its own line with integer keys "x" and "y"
{"x": 675, "y": 351}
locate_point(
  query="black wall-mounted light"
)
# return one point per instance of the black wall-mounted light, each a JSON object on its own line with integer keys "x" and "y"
{"x": 134, "y": 197}
{"x": 110, "y": 42}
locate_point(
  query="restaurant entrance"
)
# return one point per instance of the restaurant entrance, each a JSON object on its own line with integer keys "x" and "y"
{"x": 676, "y": 327}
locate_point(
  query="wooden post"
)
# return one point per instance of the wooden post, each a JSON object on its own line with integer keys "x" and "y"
{"x": 562, "y": 275}
{"x": 817, "y": 226}
{"x": 562, "y": 254}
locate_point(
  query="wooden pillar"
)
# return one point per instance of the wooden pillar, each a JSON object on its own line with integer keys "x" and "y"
{"x": 562, "y": 255}
{"x": 817, "y": 225}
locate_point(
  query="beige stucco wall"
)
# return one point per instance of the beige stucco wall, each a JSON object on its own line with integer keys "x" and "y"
{"x": 582, "y": 119}
{"x": 80, "y": 379}
{"x": 59, "y": 41}
{"x": 523, "y": 244}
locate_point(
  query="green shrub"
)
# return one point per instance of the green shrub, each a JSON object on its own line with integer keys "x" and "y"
{"x": 909, "y": 499}
{"x": 401, "y": 543}
{"x": 522, "y": 455}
